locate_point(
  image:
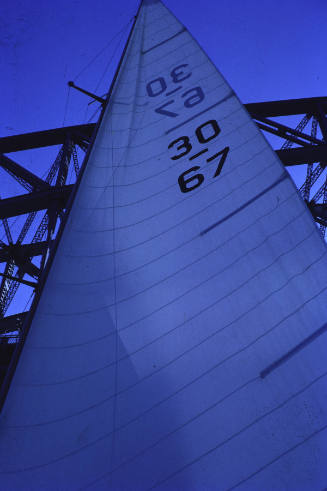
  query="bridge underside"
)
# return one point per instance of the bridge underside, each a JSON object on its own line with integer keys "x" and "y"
{"x": 23, "y": 259}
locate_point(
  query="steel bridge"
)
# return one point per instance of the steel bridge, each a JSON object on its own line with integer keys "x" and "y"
{"x": 45, "y": 201}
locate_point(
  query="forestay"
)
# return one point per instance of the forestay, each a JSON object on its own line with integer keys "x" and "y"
{"x": 180, "y": 341}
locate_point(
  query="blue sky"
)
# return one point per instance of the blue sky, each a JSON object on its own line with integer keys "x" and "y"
{"x": 266, "y": 50}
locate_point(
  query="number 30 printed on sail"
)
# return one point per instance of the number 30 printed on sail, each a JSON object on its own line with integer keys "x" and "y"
{"x": 206, "y": 132}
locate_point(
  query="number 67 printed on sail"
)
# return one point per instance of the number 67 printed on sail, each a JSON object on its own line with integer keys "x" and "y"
{"x": 205, "y": 132}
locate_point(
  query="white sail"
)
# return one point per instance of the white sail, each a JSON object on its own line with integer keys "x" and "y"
{"x": 179, "y": 342}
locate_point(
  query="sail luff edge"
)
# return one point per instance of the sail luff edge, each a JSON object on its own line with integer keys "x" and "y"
{"x": 44, "y": 275}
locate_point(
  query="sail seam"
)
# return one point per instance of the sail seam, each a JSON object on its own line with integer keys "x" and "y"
{"x": 223, "y": 118}
{"x": 228, "y": 96}
{"x": 299, "y": 347}
{"x": 149, "y": 106}
{"x": 164, "y": 255}
{"x": 180, "y": 325}
{"x": 163, "y": 119}
{"x": 164, "y": 42}
{"x": 105, "y": 254}
{"x": 173, "y": 164}
{"x": 158, "y": 258}
{"x": 232, "y": 355}
{"x": 182, "y": 200}
{"x": 279, "y": 457}
{"x": 155, "y": 61}
{"x": 194, "y": 461}
{"x": 179, "y": 60}
{"x": 174, "y": 330}
{"x": 189, "y": 421}
{"x": 159, "y": 282}
{"x": 126, "y": 299}
{"x": 245, "y": 205}
{"x": 114, "y": 410}
{"x": 177, "y": 429}
{"x": 171, "y": 186}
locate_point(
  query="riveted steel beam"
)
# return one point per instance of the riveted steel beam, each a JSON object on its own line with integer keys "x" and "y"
{"x": 26, "y": 203}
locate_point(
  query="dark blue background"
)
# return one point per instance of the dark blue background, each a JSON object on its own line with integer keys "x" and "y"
{"x": 265, "y": 49}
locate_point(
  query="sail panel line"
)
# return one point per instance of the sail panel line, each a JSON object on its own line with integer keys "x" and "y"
{"x": 245, "y": 205}
{"x": 163, "y": 42}
{"x": 150, "y": 338}
{"x": 214, "y": 333}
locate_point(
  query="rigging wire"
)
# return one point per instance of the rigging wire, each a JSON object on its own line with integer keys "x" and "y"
{"x": 120, "y": 35}
{"x": 102, "y": 50}
{"x": 66, "y": 106}
{"x": 122, "y": 32}
{"x": 95, "y": 112}
{"x": 28, "y": 301}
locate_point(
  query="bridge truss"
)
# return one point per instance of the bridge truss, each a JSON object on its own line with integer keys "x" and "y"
{"x": 44, "y": 202}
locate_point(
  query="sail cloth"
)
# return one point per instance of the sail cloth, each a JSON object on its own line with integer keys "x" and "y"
{"x": 179, "y": 342}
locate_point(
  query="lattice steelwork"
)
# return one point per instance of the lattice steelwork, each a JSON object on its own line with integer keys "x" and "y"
{"x": 47, "y": 199}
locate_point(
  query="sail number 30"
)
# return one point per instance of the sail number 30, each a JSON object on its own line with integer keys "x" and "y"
{"x": 206, "y": 132}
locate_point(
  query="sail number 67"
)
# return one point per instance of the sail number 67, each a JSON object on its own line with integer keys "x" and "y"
{"x": 193, "y": 182}
{"x": 206, "y": 132}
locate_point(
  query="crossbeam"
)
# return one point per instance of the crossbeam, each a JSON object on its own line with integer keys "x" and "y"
{"x": 22, "y": 250}
{"x": 57, "y": 136}
{"x": 20, "y": 280}
{"x": 286, "y": 131}
{"x": 318, "y": 210}
{"x": 47, "y": 138}
{"x": 26, "y": 203}
{"x": 12, "y": 322}
{"x": 288, "y": 107}
{"x": 303, "y": 155}
{"x": 21, "y": 173}
{"x": 24, "y": 263}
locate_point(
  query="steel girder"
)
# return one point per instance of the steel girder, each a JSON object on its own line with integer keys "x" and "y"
{"x": 42, "y": 195}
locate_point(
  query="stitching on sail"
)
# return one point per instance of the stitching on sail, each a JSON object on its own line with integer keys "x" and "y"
{"x": 95, "y": 340}
{"x": 216, "y": 302}
{"x": 171, "y": 251}
{"x": 228, "y": 96}
{"x": 245, "y": 205}
{"x": 163, "y": 42}
{"x": 299, "y": 347}
{"x": 167, "y": 169}
{"x": 182, "y": 200}
{"x": 176, "y": 61}
{"x": 104, "y": 401}
{"x": 163, "y": 119}
{"x": 242, "y": 430}
{"x": 111, "y": 364}
{"x": 320, "y": 430}
{"x": 164, "y": 152}
{"x": 103, "y": 437}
